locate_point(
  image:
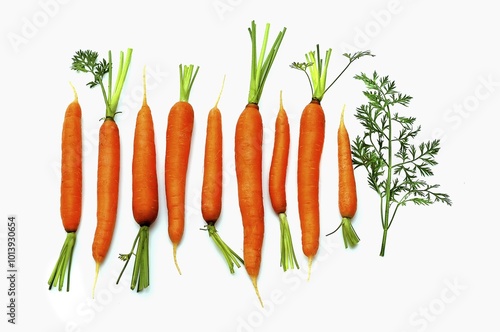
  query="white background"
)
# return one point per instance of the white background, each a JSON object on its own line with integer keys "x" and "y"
{"x": 439, "y": 272}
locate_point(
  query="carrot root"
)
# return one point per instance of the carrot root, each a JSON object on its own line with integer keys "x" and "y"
{"x": 254, "y": 283}
{"x": 309, "y": 267}
{"x": 175, "y": 258}
{"x": 63, "y": 264}
{"x": 97, "y": 265}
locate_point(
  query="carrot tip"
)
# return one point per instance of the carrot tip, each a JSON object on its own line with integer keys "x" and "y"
{"x": 309, "y": 264}
{"x": 95, "y": 278}
{"x": 175, "y": 259}
{"x": 254, "y": 283}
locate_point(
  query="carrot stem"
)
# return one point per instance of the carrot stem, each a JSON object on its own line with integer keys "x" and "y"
{"x": 140, "y": 274}
{"x": 288, "y": 258}
{"x": 186, "y": 80}
{"x": 230, "y": 256}
{"x": 63, "y": 264}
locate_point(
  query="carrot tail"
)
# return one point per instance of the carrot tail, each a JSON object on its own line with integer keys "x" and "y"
{"x": 63, "y": 264}
{"x": 349, "y": 234}
{"x": 97, "y": 265}
{"x": 175, "y": 258}
{"x": 254, "y": 283}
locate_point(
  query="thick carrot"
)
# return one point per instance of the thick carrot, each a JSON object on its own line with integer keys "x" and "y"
{"x": 108, "y": 160}
{"x": 178, "y": 144}
{"x": 211, "y": 193}
{"x": 71, "y": 189}
{"x": 248, "y": 157}
{"x": 277, "y": 185}
{"x": 144, "y": 193}
{"x": 347, "y": 185}
{"x": 311, "y": 140}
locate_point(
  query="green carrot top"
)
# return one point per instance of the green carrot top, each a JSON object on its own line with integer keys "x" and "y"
{"x": 262, "y": 65}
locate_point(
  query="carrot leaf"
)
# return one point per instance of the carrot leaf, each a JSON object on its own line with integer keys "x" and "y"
{"x": 318, "y": 69}
{"x": 262, "y": 65}
{"x": 88, "y": 62}
{"x": 395, "y": 167}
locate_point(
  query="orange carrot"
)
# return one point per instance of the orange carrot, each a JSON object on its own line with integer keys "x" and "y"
{"x": 108, "y": 160}
{"x": 178, "y": 145}
{"x": 277, "y": 179}
{"x": 248, "y": 158}
{"x": 311, "y": 140}
{"x": 71, "y": 189}
{"x": 347, "y": 185}
{"x": 144, "y": 193}
{"x": 211, "y": 194}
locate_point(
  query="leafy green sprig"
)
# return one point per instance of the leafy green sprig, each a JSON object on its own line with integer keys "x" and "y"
{"x": 318, "y": 69}
{"x": 88, "y": 62}
{"x": 396, "y": 167}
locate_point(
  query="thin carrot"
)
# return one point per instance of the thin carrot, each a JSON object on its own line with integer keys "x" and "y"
{"x": 248, "y": 157}
{"x": 108, "y": 160}
{"x": 347, "y": 185}
{"x": 277, "y": 186}
{"x": 71, "y": 189}
{"x": 211, "y": 193}
{"x": 144, "y": 193}
{"x": 178, "y": 145}
{"x": 311, "y": 140}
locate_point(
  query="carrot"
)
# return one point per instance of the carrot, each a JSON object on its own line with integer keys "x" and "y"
{"x": 277, "y": 179}
{"x": 248, "y": 157}
{"x": 311, "y": 140}
{"x": 108, "y": 160}
{"x": 71, "y": 189}
{"x": 347, "y": 185}
{"x": 211, "y": 193}
{"x": 144, "y": 193}
{"x": 178, "y": 144}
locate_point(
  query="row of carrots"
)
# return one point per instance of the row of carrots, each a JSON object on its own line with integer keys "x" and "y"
{"x": 248, "y": 162}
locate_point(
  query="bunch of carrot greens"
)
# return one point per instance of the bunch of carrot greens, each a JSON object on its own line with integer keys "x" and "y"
{"x": 396, "y": 167}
